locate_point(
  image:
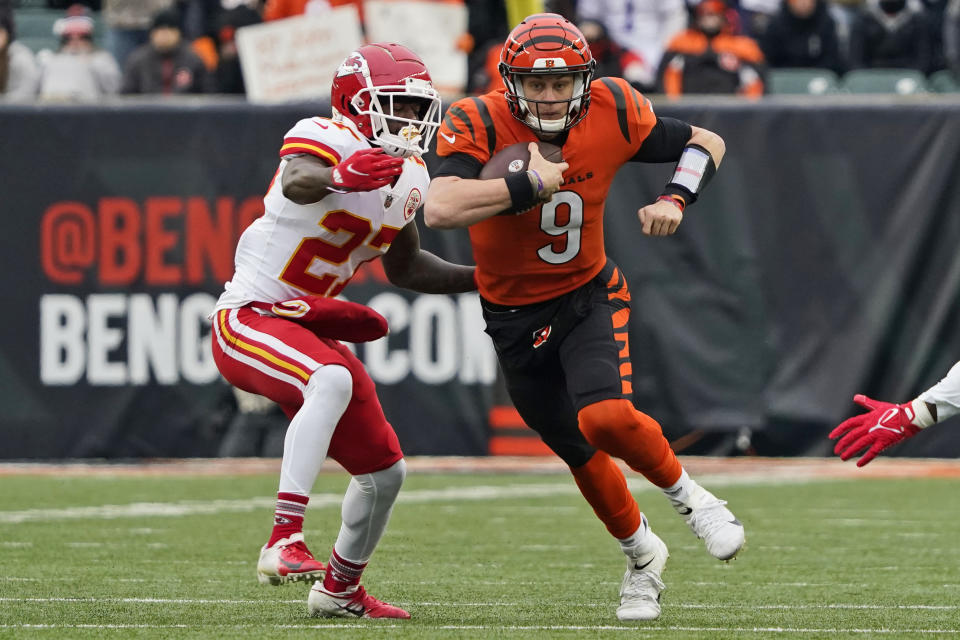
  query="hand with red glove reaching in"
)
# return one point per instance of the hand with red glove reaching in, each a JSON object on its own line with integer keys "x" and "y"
{"x": 365, "y": 170}
{"x": 886, "y": 424}
{"x": 883, "y": 426}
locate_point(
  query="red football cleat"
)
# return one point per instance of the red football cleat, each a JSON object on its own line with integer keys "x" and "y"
{"x": 358, "y": 604}
{"x": 288, "y": 560}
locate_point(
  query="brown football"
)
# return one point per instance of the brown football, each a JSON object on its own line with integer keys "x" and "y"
{"x": 514, "y": 158}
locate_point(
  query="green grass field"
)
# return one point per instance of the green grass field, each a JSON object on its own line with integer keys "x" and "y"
{"x": 476, "y": 556}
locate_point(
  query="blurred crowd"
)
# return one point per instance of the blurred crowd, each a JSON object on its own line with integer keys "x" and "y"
{"x": 162, "y": 47}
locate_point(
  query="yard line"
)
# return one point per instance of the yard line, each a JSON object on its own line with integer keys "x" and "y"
{"x": 691, "y": 605}
{"x": 377, "y": 625}
{"x": 320, "y": 500}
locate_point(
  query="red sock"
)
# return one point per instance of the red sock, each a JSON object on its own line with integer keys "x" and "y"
{"x": 341, "y": 574}
{"x": 288, "y": 516}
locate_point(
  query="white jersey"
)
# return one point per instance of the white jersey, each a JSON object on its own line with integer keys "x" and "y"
{"x": 945, "y": 394}
{"x": 294, "y": 250}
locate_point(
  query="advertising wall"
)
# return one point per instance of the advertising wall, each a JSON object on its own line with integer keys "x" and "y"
{"x": 821, "y": 262}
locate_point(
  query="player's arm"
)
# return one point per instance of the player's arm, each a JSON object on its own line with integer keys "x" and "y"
{"x": 458, "y": 199}
{"x": 307, "y": 179}
{"x": 885, "y": 424}
{"x": 697, "y": 152}
{"x": 410, "y": 267}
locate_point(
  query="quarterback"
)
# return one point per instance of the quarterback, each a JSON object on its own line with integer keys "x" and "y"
{"x": 556, "y": 308}
{"x": 346, "y": 191}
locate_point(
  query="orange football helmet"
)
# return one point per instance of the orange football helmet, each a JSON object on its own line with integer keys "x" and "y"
{"x": 547, "y": 44}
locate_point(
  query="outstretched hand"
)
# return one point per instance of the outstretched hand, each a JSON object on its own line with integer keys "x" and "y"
{"x": 882, "y": 426}
{"x": 366, "y": 170}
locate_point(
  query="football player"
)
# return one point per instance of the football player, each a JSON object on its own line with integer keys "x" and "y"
{"x": 346, "y": 191}
{"x": 556, "y": 307}
{"x": 885, "y": 424}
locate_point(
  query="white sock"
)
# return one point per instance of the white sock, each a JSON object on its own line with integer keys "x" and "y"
{"x": 366, "y": 510}
{"x": 305, "y": 445}
{"x": 681, "y": 489}
{"x": 638, "y": 542}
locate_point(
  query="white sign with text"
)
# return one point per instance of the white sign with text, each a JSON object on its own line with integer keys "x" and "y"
{"x": 295, "y": 58}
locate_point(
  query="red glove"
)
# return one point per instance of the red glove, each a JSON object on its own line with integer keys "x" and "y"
{"x": 366, "y": 170}
{"x": 883, "y": 426}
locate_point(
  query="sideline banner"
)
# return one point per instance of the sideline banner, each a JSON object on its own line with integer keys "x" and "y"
{"x": 816, "y": 266}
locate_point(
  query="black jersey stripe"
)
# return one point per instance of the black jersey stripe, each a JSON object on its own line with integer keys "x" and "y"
{"x": 487, "y": 123}
{"x": 620, "y": 101}
{"x": 460, "y": 113}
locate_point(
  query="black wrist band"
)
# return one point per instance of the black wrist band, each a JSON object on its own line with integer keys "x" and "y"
{"x": 522, "y": 194}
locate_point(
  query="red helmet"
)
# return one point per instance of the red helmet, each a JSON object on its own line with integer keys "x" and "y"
{"x": 547, "y": 44}
{"x": 365, "y": 87}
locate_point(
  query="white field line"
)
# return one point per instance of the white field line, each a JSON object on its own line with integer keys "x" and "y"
{"x": 206, "y": 601}
{"x": 452, "y": 627}
{"x": 320, "y": 500}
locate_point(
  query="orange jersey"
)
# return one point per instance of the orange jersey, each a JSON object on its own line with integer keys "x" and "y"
{"x": 557, "y": 246}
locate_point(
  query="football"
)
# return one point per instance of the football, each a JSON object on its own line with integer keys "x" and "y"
{"x": 514, "y": 158}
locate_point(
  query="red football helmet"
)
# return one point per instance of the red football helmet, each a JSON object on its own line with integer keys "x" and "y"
{"x": 365, "y": 87}
{"x": 547, "y": 44}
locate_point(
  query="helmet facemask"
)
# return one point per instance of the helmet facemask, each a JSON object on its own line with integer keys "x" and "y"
{"x": 579, "y": 98}
{"x": 413, "y": 135}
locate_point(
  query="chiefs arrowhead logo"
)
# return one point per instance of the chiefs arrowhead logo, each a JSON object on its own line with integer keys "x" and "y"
{"x": 412, "y": 204}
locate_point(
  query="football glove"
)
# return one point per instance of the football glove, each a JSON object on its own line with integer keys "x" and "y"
{"x": 365, "y": 170}
{"x": 884, "y": 425}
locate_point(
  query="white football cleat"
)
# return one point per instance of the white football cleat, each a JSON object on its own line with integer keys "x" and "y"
{"x": 288, "y": 560}
{"x": 641, "y": 587}
{"x": 712, "y": 522}
{"x": 354, "y": 604}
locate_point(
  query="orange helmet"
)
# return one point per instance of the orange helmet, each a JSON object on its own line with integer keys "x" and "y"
{"x": 547, "y": 44}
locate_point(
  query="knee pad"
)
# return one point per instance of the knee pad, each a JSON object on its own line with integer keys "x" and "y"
{"x": 331, "y": 380}
{"x": 387, "y": 481}
{"x": 612, "y": 421}
{"x": 616, "y": 427}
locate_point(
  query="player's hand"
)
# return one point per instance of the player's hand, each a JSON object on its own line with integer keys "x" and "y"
{"x": 660, "y": 218}
{"x": 551, "y": 173}
{"x": 365, "y": 170}
{"x": 884, "y": 425}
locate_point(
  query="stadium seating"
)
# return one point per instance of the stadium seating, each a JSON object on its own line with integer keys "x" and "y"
{"x": 896, "y": 81}
{"x": 35, "y": 28}
{"x": 944, "y": 82}
{"x": 802, "y": 81}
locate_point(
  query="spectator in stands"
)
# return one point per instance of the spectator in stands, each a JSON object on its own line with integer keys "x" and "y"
{"x": 803, "y": 34}
{"x": 891, "y": 34}
{"x": 166, "y": 64}
{"x": 709, "y": 58}
{"x": 612, "y": 59}
{"x": 78, "y": 70}
{"x": 228, "y": 75}
{"x": 128, "y": 24}
{"x": 486, "y": 29}
{"x": 279, "y": 9}
{"x": 19, "y": 75}
{"x": 951, "y": 38}
{"x": 755, "y": 16}
{"x": 641, "y": 26}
